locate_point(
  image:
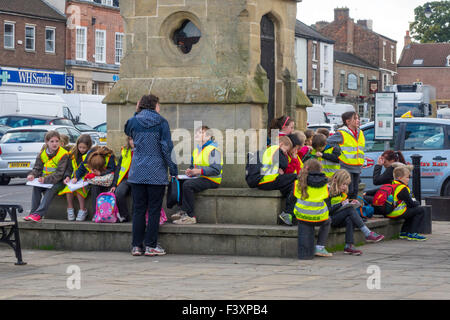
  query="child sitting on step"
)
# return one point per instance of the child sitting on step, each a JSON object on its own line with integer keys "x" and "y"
{"x": 327, "y": 155}
{"x": 76, "y": 157}
{"x": 347, "y": 217}
{"x": 206, "y": 167}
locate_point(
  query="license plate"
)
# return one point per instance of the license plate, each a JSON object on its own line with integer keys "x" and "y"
{"x": 18, "y": 164}
{"x": 102, "y": 139}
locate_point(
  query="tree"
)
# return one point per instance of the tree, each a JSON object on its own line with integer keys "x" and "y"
{"x": 436, "y": 28}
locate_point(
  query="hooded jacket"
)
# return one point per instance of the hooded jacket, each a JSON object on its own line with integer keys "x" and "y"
{"x": 153, "y": 149}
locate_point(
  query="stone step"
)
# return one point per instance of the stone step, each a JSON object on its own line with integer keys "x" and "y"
{"x": 199, "y": 239}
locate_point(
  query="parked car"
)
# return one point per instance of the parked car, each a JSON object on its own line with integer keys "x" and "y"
{"x": 3, "y": 129}
{"x": 332, "y": 127}
{"x": 95, "y": 135}
{"x": 103, "y": 131}
{"x": 428, "y": 137}
{"x": 21, "y": 120}
{"x": 19, "y": 148}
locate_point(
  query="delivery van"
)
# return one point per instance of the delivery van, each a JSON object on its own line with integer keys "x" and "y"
{"x": 33, "y": 103}
{"x": 316, "y": 114}
{"x": 86, "y": 108}
{"x": 334, "y": 111}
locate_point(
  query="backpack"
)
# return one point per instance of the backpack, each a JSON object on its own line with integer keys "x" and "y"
{"x": 366, "y": 211}
{"x": 162, "y": 217}
{"x": 173, "y": 193}
{"x": 253, "y": 169}
{"x": 384, "y": 198}
{"x": 106, "y": 208}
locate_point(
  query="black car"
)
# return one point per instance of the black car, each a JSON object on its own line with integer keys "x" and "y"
{"x": 21, "y": 120}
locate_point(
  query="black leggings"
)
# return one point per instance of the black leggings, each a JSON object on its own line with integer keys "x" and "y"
{"x": 348, "y": 218}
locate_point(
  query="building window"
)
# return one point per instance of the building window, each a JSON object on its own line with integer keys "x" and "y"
{"x": 448, "y": 61}
{"x": 8, "y": 35}
{"x": 342, "y": 82}
{"x": 325, "y": 54}
{"x": 186, "y": 36}
{"x": 325, "y": 80}
{"x": 361, "y": 85}
{"x": 30, "y": 38}
{"x": 384, "y": 51}
{"x": 314, "y": 51}
{"x": 314, "y": 79}
{"x": 81, "y": 86}
{"x": 94, "y": 87}
{"x": 81, "y": 43}
{"x": 107, "y": 2}
{"x": 100, "y": 40}
{"x": 352, "y": 82}
{"x": 385, "y": 80}
{"x": 50, "y": 40}
{"x": 392, "y": 54}
{"x": 119, "y": 47}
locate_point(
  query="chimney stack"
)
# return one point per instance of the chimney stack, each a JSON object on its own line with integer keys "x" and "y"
{"x": 341, "y": 13}
{"x": 320, "y": 25}
{"x": 407, "y": 39}
{"x": 366, "y": 23}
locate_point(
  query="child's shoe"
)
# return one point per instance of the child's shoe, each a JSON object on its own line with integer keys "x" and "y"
{"x": 286, "y": 218}
{"x": 185, "y": 219}
{"x": 158, "y": 251}
{"x": 374, "y": 237}
{"x": 403, "y": 235}
{"x": 352, "y": 250}
{"x": 33, "y": 217}
{"x": 178, "y": 215}
{"x": 81, "y": 216}
{"x": 322, "y": 252}
{"x": 416, "y": 237}
{"x": 136, "y": 251}
{"x": 71, "y": 214}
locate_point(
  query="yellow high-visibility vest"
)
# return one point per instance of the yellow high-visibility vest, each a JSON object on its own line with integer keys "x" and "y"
{"x": 352, "y": 149}
{"x": 125, "y": 165}
{"x": 83, "y": 191}
{"x": 270, "y": 167}
{"x": 201, "y": 159}
{"x": 50, "y": 165}
{"x": 328, "y": 167}
{"x": 400, "y": 206}
{"x": 338, "y": 199}
{"x": 314, "y": 208}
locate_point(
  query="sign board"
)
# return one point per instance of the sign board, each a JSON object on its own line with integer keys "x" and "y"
{"x": 352, "y": 82}
{"x": 69, "y": 82}
{"x": 373, "y": 86}
{"x": 32, "y": 77}
{"x": 384, "y": 116}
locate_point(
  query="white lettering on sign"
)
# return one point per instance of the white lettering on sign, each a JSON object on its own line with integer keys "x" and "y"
{"x": 34, "y": 78}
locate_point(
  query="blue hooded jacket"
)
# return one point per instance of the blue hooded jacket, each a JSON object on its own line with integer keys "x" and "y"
{"x": 153, "y": 149}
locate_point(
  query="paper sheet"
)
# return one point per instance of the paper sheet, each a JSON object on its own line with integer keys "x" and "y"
{"x": 75, "y": 186}
{"x": 36, "y": 183}
{"x": 185, "y": 177}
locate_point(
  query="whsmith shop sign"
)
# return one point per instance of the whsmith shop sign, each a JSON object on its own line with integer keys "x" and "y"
{"x": 35, "y": 78}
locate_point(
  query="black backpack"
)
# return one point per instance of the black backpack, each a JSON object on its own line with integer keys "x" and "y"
{"x": 173, "y": 193}
{"x": 253, "y": 169}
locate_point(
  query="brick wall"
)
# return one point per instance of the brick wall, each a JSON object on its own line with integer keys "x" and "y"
{"x": 37, "y": 59}
{"x": 437, "y": 77}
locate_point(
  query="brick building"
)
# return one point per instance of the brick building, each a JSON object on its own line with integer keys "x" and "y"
{"x": 314, "y": 57}
{"x": 352, "y": 82}
{"x": 95, "y": 44}
{"x": 32, "y": 50}
{"x": 428, "y": 63}
{"x": 360, "y": 40}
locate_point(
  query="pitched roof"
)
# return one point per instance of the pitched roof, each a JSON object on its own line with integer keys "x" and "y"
{"x": 37, "y": 8}
{"x": 425, "y": 55}
{"x": 304, "y": 31}
{"x": 348, "y": 58}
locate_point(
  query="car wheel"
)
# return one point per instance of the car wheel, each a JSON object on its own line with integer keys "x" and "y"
{"x": 4, "y": 180}
{"x": 446, "y": 189}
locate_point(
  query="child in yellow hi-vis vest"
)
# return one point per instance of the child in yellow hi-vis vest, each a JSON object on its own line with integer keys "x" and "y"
{"x": 311, "y": 210}
{"x": 206, "y": 167}
{"x": 49, "y": 168}
{"x": 120, "y": 185}
{"x": 76, "y": 157}
{"x": 327, "y": 155}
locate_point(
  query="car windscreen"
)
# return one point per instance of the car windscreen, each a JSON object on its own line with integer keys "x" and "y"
{"x": 101, "y": 128}
{"x": 84, "y": 127}
{"x": 62, "y": 122}
{"x": 24, "y": 136}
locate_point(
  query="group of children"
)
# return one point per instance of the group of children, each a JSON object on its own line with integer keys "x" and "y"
{"x": 58, "y": 164}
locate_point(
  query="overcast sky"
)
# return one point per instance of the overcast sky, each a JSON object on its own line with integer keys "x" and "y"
{"x": 390, "y": 17}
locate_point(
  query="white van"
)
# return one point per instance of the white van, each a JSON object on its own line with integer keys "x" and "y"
{"x": 334, "y": 111}
{"x": 316, "y": 114}
{"x": 32, "y": 103}
{"x": 87, "y": 107}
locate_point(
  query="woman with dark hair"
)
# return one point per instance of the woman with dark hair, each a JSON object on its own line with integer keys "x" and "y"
{"x": 148, "y": 172}
{"x": 390, "y": 159}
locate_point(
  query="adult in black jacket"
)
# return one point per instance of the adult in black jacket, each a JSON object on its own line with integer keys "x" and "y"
{"x": 389, "y": 160}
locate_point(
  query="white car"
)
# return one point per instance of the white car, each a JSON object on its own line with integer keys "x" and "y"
{"x": 332, "y": 127}
{"x": 19, "y": 148}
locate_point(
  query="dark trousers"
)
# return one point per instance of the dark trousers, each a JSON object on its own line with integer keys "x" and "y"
{"x": 146, "y": 197}
{"x": 189, "y": 188}
{"x": 354, "y": 186}
{"x": 95, "y": 192}
{"x": 324, "y": 229}
{"x": 413, "y": 219}
{"x": 41, "y": 198}
{"x": 348, "y": 218}
{"x": 284, "y": 183}
{"x": 122, "y": 191}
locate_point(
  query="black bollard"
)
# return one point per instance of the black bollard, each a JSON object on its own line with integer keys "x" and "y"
{"x": 416, "y": 177}
{"x": 306, "y": 237}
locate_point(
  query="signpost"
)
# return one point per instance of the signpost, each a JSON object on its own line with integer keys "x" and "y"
{"x": 384, "y": 117}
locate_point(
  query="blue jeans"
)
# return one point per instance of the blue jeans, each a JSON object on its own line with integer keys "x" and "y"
{"x": 146, "y": 197}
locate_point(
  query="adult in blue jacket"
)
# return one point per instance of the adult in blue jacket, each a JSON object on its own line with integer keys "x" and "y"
{"x": 148, "y": 172}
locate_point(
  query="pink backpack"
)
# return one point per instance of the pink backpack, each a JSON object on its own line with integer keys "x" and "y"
{"x": 106, "y": 208}
{"x": 162, "y": 217}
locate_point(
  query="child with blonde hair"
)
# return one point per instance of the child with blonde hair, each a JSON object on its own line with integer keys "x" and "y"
{"x": 344, "y": 214}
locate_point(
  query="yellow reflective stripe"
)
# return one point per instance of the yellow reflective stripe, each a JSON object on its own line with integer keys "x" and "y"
{"x": 269, "y": 170}
{"x": 201, "y": 159}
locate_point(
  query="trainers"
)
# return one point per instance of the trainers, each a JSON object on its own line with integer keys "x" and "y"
{"x": 416, "y": 237}
{"x": 374, "y": 237}
{"x": 136, "y": 251}
{"x": 286, "y": 218}
{"x": 352, "y": 250}
{"x": 178, "y": 215}
{"x": 185, "y": 219}
{"x": 403, "y": 235}
{"x": 323, "y": 253}
{"x": 81, "y": 216}
{"x": 71, "y": 214}
{"x": 158, "y": 251}
{"x": 33, "y": 217}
